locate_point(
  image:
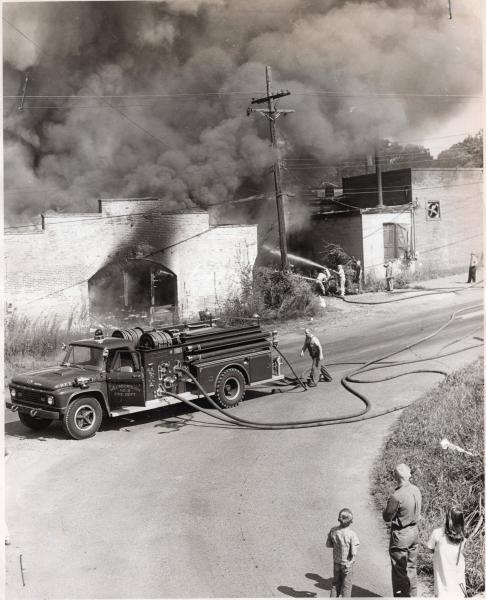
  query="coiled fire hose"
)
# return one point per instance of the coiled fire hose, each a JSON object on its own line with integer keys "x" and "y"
{"x": 345, "y": 382}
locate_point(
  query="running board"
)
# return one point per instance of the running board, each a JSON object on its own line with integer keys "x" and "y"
{"x": 272, "y": 378}
{"x": 168, "y": 400}
{"x": 152, "y": 404}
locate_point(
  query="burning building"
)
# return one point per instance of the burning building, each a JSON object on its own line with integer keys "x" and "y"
{"x": 132, "y": 256}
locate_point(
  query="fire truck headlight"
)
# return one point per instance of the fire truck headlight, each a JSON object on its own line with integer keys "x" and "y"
{"x": 13, "y": 393}
{"x": 50, "y": 400}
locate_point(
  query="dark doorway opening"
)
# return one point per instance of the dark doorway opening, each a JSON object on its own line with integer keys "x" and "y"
{"x": 134, "y": 291}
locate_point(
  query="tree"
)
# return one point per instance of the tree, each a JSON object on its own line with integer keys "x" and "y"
{"x": 468, "y": 153}
{"x": 394, "y": 155}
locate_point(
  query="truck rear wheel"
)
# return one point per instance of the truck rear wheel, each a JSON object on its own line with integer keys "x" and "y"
{"x": 230, "y": 388}
{"x": 82, "y": 418}
{"x": 33, "y": 422}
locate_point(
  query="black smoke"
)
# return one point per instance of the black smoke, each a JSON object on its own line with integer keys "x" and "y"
{"x": 178, "y": 75}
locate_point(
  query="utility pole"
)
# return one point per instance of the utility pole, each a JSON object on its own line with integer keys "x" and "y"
{"x": 24, "y": 90}
{"x": 273, "y": 113}
{"x": 378, "y": 178}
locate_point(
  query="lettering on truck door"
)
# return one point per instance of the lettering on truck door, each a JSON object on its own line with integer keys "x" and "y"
{"x": 124, "y": 379}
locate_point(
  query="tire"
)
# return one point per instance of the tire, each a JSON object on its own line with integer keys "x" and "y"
{"x": 82, "y": 418}
{"x": 230, "y": 388}
{"x": 33, "y": 422}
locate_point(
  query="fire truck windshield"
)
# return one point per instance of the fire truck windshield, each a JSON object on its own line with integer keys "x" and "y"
{"x": 85, "y": 357}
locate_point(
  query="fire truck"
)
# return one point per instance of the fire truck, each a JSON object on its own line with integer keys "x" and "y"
{"x": 134, "y": 370}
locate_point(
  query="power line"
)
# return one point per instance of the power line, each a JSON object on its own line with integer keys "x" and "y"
{"x": 60, "y": 290}
{"x": 398, "y": 188}
{"x": 298, "y": 167}
{"x": 145, "y": 256}
{"x": 355, "y": 191}
{"x": 385, "y": 155}
{"x": 244, "y": 93}
{"x": 399, "y": 165}
{"x": 95, "y": 217}
{"x": 99, "y": 216}
{"x": 129, "y": 119}
{"x": 26, "y": 37}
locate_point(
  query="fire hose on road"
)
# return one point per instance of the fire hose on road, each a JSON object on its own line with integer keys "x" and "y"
{"x": 426, "y": 292}
{"x": 360, "y": 415}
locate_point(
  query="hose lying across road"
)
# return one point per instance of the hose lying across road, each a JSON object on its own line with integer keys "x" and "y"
{"x": 345, "y": 382}
{"x": 427, "y": 292}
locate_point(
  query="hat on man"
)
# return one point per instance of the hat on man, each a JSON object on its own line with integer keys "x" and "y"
{"x": 403, "y": 472}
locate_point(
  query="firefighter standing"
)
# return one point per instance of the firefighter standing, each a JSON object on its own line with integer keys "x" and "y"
{"x": 342, "y": 280}
{"x": 358, "y": 275}
{"x": 389, "y": 275}
{"x": 322, "y": 279}
{"x": 313, "y": 345}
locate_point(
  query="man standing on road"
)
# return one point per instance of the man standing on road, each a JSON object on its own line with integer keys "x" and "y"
{"x": 403, "y": 510}
{"x": 313, "y": 345}
{"x": 389, "y": 275}
{"x": 473, "y": 265}
{"x": 358, "y": 276}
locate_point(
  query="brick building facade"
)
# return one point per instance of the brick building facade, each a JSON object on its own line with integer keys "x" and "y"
{"x": 52, "y": 270}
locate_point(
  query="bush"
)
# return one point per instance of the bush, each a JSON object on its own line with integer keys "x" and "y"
{"x": 272, "y": 294}
{"x": 453, "y": 410}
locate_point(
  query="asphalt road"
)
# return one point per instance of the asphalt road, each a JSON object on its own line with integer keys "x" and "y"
{"x": 172, "y": 504}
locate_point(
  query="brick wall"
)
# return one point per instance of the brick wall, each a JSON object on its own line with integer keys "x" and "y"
{"x": 47, "y": 270}
{"x": 448, "y": 241}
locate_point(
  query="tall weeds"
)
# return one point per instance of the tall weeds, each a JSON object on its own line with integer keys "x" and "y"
{"x": 453, "y": 410}
{"x": 30, "y": 343}
{"x": 272, "y": 294}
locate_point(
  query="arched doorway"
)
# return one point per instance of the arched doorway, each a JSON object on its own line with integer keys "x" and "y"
{"x": 134, "y": 291}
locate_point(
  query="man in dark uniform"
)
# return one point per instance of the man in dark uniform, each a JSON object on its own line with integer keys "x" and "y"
{"x": 403, "y": 510}
{"x": 313, "y": 345}
{"x": 473, "y": 265}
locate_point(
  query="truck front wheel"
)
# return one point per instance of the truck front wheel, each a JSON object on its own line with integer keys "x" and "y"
{"x": 33, "y": 422}
{"x": 82, "y": 418}
{"x": 230, "y": 388}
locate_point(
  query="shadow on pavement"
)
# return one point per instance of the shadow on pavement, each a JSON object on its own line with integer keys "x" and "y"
{"x": 16, "y": 429}
{"x": 288, "y": 591}
{"x": 167, "y": 419}
{"x": 326, "y": 584}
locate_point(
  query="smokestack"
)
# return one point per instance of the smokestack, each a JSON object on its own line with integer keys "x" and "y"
{"x": 378, "y": 179}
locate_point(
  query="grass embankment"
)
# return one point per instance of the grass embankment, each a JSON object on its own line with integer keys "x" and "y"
{"x": 453, "y": 410}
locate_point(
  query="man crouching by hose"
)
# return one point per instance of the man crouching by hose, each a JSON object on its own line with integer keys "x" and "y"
{"x": 313, "y": 345}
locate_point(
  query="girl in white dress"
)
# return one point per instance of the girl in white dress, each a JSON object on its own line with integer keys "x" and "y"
{"x": 447, "y": 544}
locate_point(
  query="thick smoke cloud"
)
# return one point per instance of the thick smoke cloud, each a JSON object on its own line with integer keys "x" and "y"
{"x": 182, "y": 72}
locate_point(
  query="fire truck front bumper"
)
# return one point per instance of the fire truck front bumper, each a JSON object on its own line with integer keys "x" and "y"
{"x": 41, "y": 413}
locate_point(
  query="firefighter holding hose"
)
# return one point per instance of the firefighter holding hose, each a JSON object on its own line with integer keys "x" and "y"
{"x": 313, "y": 345}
